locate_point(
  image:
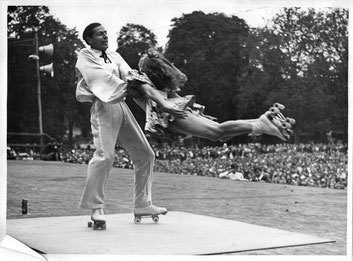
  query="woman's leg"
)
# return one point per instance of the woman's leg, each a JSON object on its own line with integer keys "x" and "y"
{"x": 204, "y": 128}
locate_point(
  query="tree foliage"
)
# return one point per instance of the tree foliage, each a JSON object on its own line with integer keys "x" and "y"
{"x": 134, "y": 41}
{"x": 61, "y": 112}
{"x": 302, "y": 61}
{"x": 209, "y": 49}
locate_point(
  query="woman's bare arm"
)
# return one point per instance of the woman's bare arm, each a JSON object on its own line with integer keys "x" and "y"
{"x": 166, "y": 105}
{"x": 173, "y": 95}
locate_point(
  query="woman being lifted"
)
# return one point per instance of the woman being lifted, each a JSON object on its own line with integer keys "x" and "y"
{"x": 165, "y": 80}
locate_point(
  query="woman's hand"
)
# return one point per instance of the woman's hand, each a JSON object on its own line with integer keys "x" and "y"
{"x": 209, "y": 117}
{"x": 173, "y": 109}
{"x": 165, "y": 105}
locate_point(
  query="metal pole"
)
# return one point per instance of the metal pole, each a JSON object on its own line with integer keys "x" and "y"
{"x": 39, "y": 95}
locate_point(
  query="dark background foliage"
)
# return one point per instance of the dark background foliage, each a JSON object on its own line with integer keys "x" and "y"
{"x": 299, "y": 59}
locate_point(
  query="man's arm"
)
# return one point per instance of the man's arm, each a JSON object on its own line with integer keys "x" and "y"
{"x": 104, "y": 85}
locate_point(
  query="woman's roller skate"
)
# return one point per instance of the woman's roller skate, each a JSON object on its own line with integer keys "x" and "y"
{"x": 98, "y": 220}
{"x": 274, "y": 123}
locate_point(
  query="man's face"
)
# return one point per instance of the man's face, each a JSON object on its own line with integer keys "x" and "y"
{"x": 99, "y": 39}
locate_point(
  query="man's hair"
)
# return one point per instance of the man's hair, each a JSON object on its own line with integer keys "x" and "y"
{"x": 88, "y": 32}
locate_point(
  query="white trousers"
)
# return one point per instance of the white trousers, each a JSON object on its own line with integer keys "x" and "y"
{"x": 113, "y": 123}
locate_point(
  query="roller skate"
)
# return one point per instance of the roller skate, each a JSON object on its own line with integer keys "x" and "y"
{"x": 273, "y": 122}
{"x": 150, "y": 211}
{"x": 98, "y": 220}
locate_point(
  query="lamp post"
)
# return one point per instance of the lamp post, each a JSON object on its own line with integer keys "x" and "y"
{"x": 48, "y": 49}
{"x": 39, "y": 94}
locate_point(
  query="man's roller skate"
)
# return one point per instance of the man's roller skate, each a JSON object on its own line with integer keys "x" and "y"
{"x": 98, "y": 220}
{"x": 273, "y": 122}
{"x": 150, "y": 211}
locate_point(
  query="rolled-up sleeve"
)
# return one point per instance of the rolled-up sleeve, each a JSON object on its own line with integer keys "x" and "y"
{"x": 105, "y": 85}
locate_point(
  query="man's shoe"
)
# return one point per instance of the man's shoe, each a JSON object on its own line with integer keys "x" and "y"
{"x": 150, "y": 210}
{"x": 98, "y": 219}
{"x": 97, "y": 214}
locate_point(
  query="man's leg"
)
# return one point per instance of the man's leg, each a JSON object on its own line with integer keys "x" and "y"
{"x": 105, "y": 120}
{"x": 132, "y": 138}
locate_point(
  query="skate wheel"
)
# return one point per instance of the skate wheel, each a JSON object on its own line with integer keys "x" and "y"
{"x": 279, "y": 106}
{"x": 286, "y": 125}
{"x": 137, "y": 220}
{"x": 290, "y": 132}
{"x": 274, "y": 110}
{"x": 89, "y": 223}
{"x": 155, "y": 219}
{"x": 291, "y": 121}
{"x": 99, "y": 225}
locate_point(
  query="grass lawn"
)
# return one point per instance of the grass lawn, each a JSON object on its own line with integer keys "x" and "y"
{"x": 54, "y": 189}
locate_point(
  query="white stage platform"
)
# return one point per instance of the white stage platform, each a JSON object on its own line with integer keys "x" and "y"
{"x": 177, "y": 233}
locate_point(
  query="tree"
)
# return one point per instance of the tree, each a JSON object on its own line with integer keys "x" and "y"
{"x": 314, "y": 46}
{"x": 134, "y": 41}
{"x": 299, "y": 59}
{"x": 261, "y": 81}
{"x": 60, "y": 109}
{"x": 208, "y": 48}
{"x": 22, "y": 101}
{"x": 74, "y": 113}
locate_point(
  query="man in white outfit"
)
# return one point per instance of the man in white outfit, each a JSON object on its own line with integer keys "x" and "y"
{"x": 102, "y": 81}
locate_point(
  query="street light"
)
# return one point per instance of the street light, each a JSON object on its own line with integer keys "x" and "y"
{"x": 47, "y": 49}
{"x": 47, "y": 69}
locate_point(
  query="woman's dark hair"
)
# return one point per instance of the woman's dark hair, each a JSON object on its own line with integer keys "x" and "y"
{"x": 161, "y": 72}
{"x": 88, "y": 32}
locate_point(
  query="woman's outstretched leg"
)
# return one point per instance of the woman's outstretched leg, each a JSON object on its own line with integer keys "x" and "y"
{"x": 202, "y": 127}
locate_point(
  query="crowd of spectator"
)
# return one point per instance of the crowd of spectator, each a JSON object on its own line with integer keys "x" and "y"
{"x": 318, "y": 165}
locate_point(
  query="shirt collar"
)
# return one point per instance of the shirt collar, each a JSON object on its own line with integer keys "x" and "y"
{"x": 98, "y": 52}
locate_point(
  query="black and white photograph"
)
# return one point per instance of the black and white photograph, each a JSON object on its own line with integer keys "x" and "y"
{"x": 173, "y": 129}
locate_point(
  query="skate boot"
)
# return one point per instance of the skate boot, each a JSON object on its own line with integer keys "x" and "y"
{"x": 274, "y": 123}
{"x": 150, "y": 211}
{"x": 98, "y": 219}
